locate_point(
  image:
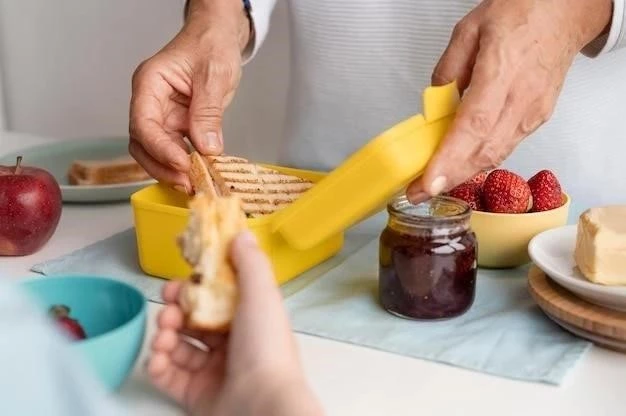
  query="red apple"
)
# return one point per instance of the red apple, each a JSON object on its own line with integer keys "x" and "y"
{"x": 30, "y": 208}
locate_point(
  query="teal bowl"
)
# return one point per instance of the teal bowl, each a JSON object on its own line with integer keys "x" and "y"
{"x": 112, "y": 313}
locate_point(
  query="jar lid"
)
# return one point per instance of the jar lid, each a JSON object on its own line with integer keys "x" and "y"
{"x": 364, "y": 182}
{"x": 440, "y": 209}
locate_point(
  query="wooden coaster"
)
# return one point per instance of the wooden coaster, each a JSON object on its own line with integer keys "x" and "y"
{"x": 597, "y": 324}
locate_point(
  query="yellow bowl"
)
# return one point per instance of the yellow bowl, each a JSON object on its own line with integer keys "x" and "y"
{"x": 161, "y": 214}
{"x": 503, "y": 238}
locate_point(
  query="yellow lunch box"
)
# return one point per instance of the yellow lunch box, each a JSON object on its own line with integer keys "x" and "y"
{"x": 310, "y": 230}
{"x": 160, "y": 215}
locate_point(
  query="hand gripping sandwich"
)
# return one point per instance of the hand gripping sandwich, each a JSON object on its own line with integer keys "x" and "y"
{"x": 227, "y": 190}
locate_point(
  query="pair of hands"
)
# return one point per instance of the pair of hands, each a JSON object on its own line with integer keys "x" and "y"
{"x": 253, "y": 370}
{"x": 509, "y": 59}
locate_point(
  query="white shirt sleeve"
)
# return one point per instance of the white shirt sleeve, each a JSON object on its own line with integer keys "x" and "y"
{"x": 261, "y": 13}
{"x": 615, "y": 39}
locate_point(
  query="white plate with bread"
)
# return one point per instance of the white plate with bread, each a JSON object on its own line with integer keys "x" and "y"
{"x": 89, "y": 170}
{"x": 587, "y": 265}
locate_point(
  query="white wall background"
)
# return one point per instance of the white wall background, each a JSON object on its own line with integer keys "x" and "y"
{"x": 66, "y": 65}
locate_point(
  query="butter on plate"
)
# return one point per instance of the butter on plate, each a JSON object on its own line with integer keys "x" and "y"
{"x": 600, "y": 252}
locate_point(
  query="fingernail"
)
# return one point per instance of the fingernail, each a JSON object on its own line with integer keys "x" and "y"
{"x": 213, "y": 141}
{"x": 248, "y": 238}
{"x": 418, "y": 197}
{"x": 438, "y": 185}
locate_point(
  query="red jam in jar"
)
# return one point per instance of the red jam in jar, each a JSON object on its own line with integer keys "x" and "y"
{"x": 427, "y": 259}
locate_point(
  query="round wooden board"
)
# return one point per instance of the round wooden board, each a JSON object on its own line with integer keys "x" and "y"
{"x": 600, "y": 325}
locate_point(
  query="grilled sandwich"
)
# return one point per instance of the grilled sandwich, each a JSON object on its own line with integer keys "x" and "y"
{"x": 105, "y": 172}
{"x": 261, "y": 190}
{"x": 227, "y": 189}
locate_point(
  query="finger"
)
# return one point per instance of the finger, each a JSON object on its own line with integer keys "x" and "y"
{"x": 210, "y": 88}
{"x": 458, "y": 59}
{"x": 171, "y": 317}
{"x": 157, "y": 170}
{"x": 146, "y": 127}
{"x": 476, "y": 118}
{"x": 183, "y": 354}
{"x": 168, "y": 377}
{"x": 171, "y": 291}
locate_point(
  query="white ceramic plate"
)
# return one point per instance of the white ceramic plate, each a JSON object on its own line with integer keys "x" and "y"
{"x": 56, "y": 158}
{"x": 553, "y": 252}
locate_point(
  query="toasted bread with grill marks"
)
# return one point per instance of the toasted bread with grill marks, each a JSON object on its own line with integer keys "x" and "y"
{"x": 261, "y": 190}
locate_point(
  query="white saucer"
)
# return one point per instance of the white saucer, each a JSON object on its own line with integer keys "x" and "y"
{"x": 553, "y": 252}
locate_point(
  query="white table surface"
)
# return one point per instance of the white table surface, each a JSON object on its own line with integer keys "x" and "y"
{"x": 353, "y": 380}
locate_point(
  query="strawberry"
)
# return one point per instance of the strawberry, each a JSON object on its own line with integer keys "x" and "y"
{"x": 506, "y": 192}
{"x": 479, "y": 178}
{"x": 546, "y": 191}
{"x": 468, "y": 192}
{"x": 61, "y": 314}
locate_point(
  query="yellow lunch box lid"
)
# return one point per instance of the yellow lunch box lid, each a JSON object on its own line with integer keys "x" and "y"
{"x": 365, "y": 181}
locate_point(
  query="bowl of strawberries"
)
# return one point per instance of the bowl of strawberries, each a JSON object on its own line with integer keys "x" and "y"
{"x": 508, "y": 211}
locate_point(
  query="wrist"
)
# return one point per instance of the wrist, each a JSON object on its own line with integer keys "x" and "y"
{"x": 595, "y": 18}
{"x": 224, "y": 18}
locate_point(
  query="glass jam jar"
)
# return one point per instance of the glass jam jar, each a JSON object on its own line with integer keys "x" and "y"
{"x": 427, "y": 259}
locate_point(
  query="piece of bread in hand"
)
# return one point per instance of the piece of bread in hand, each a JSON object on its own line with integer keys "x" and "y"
{"x": 262, "y": 190}
{"x": 106, "y": 172}
{"x": 210, "y": 297}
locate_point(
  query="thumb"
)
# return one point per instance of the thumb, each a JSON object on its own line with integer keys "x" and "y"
{"x": 259, "y": 297}
{"x": 209, "y": 90}
{"x": 260, "y": 332}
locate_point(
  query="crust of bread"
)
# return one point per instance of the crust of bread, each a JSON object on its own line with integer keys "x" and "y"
{"x": 218, "y": 180}
{"x": 200, "y": 177}
{"x": 106, "y": 172}
{"x": 210, "y": 297}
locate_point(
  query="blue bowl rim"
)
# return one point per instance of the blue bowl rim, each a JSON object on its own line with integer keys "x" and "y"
{"x": 140, "y": 315}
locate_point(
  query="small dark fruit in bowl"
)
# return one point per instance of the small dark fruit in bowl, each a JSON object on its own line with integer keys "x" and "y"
{"x": 61, "y": 314}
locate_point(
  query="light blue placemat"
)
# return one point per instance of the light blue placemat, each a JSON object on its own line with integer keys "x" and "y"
{"x": 116, "y": 257}
{"x": 503, "y": 334}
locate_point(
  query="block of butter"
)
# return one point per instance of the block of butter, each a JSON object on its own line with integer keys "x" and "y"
{"x": 600, "y": 251}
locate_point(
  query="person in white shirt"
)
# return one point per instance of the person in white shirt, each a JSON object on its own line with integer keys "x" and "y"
{"x": 359, "y": 67}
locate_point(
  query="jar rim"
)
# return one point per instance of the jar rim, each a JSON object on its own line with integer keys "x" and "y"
{"x": 398, "y": 207}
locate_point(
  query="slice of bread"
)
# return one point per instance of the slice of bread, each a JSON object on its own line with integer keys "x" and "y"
{"x": 123, "y": 169}
{"x": 210, "y": 298}
{"x": 262, "y": 190}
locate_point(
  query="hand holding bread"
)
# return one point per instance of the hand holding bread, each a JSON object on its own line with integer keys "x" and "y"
{"x": 232, "y": 306}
